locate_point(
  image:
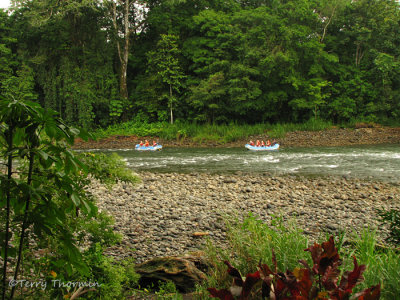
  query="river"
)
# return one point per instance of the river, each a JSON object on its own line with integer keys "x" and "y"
{"x": 381, "y": 162}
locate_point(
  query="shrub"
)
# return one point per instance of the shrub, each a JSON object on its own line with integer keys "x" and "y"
{"x": 251, "y": 241}
{"x": 319, "y": 281}
{"x": 52, "y": 226}
{"x": 107, "y": 168}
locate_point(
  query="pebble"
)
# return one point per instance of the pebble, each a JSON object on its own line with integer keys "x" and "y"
{"x": 163, "y": 215}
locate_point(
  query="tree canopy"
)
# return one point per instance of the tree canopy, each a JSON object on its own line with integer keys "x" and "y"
{"x": 102, "y": 62}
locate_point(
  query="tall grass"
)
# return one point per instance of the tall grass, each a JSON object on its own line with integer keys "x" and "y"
{"x": 252, "y": 241}
{"x": 202, "y": 133}
{"x": 383, "y": 265}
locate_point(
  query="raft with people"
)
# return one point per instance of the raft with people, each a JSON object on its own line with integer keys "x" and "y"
{"x": 261, "y": 146}
{"x": 147, "y": 147}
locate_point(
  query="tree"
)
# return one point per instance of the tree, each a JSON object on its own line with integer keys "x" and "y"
{"x": 42, "y": 189}
{"x": 208, "y": 98}
{"x": 72, "y": 60}
{"x": 328, "y": 11}
{"x": 128, "y": 18}
{"x": 314, "y": 97}
{"x": 165, "y": 61}
{"x": 365, "y": 37}
{"x": 28, "y": 200}
{"x": 6, "y": 57}
{"x": 243, "y": 60}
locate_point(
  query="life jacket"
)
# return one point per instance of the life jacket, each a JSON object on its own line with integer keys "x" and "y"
{"x": 268, "y": 143}
{"x": 141, "y": 144}
{"x": 147, "y": 144}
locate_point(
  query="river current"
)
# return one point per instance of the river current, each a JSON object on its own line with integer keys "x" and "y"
{"x": 381, "y": 162}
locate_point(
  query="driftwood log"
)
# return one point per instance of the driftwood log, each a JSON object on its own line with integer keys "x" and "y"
{"x": 184, "y": 272}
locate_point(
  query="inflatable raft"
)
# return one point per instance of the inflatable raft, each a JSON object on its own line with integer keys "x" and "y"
{"x": 148, "y": 148}
{"x": 262, "y": 148}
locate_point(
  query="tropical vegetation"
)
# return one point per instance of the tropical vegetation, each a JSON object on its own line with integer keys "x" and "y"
{"x": 98, "y": 63}
{"x": 272, "y": 255}
{"x": 204, "y": 69}
{"x": 51, "y": 230}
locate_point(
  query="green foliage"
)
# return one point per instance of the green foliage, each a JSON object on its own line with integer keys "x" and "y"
{"x": 383, "y": 265}
{"x": 167, "y": 290}
{"x": 108, "y": 168}
{"x": 317, "y": 282}
{"x": 6, "y": 42}
{"x": 136, "y": 127}
{"x": 164, "y": 290}
{"x": 112, "y": 278}
{"x": 212, "y": 62}
{"x": 315, "y": 97}
{"x": 164, "y": 61}
{"x": 46, "y": 168}
{"x": 21, "y": 86}
{"x": 43, "y": 193}
{"x": 206, "y": 133}
{"x": 116, "y": 108}
{"x": 70, "y": 60}
{"x": 252, "y": 241}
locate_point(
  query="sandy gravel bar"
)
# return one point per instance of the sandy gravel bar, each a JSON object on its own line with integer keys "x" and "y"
{"x": 162, "y": 215}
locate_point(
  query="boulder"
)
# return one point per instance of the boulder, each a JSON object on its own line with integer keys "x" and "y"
{"x": 184, "y": 272}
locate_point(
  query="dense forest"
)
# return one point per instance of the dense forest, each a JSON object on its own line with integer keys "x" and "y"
{"x": 244, "y": 61}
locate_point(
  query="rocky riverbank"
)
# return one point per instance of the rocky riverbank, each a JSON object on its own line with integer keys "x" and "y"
{"x": 172, "y": 214}
{"x": 330, "y": 137}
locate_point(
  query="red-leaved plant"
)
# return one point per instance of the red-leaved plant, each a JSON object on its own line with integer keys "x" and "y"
{"x": 321, "y": 281}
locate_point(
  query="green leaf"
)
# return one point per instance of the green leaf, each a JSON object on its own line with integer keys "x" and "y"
{"x": 51, "y": 130}
{"x": 87, "y": 206}
{"x": 43, "y": 154}
{"x": 74, "y": 131}
{"x": 75, "y": 199}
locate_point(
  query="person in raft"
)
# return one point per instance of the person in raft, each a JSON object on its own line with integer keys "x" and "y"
{"x": 146, "y": 143}
{"x": 154, "y": 143}
{"x": 262, "y": 144}
{"x": 251, "y": 143}
{"x": 268, "y": 143}
{"x": 141, "y": 144}
{"x": 258, "y": 143}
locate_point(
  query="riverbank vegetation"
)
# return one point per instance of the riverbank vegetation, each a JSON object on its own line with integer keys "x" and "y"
{"x": 211, "y": 134}
{"x": 208, "y": 132}
{"x": 281, "y": 244}
{"x": 206, "y": 62}
{"x": 252, "y": 241}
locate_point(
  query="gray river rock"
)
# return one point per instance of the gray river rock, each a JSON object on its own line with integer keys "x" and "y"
{"x": 173, "y": 214}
